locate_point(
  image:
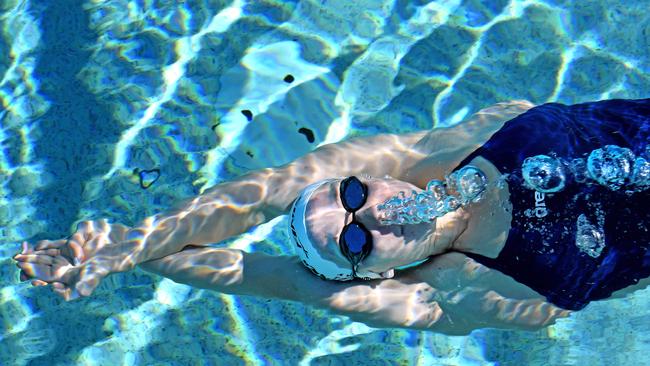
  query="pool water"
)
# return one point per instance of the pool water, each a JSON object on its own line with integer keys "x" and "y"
{"x": 119, "y": 109}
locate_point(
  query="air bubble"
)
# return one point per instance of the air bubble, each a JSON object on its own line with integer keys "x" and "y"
{"x": 589, "y": 238}
{"x": 610, "y": 166}
{"x": 471, "y": 183}
{"x": 579, "y": 170}
{"x": 451, "y": 203}
{"x": 543, "y": 173}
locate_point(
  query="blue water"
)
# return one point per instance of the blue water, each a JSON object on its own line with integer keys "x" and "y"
{"x": 118, "y": 109}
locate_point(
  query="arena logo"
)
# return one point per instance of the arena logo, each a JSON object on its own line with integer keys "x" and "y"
{"x": 540, "y": 205}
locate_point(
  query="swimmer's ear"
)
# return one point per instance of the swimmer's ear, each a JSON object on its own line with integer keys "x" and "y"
{"x": 388, "y": 274}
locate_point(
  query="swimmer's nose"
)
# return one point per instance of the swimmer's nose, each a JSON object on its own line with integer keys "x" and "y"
{"x": 369, "y": 217}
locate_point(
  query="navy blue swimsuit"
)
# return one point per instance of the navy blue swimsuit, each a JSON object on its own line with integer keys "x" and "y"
{"x": 541, "y": 250}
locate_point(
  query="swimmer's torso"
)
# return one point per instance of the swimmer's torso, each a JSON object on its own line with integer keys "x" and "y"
{"x": 543, "y": 249}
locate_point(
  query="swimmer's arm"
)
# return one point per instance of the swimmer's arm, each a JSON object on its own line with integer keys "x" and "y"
{"x": 386, "y": 303}
{"x": 451, "y": 294}
{"x": 410, "y": 301}
{"x": 474, "y": 296}
{"x": 444, "y": 148}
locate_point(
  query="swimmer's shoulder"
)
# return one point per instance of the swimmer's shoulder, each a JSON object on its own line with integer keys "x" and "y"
{"x": 442, "y": 149}
{"x": 476, "y": 129}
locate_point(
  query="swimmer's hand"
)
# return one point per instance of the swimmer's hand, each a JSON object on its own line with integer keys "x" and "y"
{"x": 73, "y": 266}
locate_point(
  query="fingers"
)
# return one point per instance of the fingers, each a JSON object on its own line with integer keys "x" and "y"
{"x": 78, "y": 238}
{"x": 103, "y": 225}
{"x": 77, "y": 252}
{"x": 85, "y": 227}
{"x": 38, "y": 271}
{"x": 59, "y": 288}
{"x": 37, "y": 282}
{"x": 50, "y": 244}
{"x": 48, "y": 247}
{"x": 26, "y": 248}
{"x": 35, "y": 258}
{"x": 45, "y": 252}
{"x": 71, "y": 248}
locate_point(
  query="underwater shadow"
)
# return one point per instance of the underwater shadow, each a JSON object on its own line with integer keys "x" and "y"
{"x": 76, "y": 121}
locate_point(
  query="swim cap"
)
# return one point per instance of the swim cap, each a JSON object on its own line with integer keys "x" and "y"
{"x": 306, "y": 250}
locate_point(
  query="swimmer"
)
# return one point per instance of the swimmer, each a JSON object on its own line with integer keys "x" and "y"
{"x": 511, "y": 219}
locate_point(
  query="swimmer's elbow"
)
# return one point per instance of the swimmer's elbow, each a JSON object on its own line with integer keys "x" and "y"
{"x": 533, "y": 314}
{"x": 529, "y": 315}
{"x": 389, "y": 305}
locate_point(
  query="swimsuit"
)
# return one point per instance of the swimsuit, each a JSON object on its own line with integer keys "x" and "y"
{"x": 541, "y": 250}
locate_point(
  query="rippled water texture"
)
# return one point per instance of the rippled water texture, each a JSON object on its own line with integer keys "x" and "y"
{"x": 118, "y": 109}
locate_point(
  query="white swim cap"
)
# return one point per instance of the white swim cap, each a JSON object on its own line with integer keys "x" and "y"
{"x": 308, "y": 253}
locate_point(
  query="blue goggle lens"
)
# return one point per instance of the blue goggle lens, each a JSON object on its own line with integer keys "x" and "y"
{"x": 353, "y": 194}
{"x": 355, "y": 238}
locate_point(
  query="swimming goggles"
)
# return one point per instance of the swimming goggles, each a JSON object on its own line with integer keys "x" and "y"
{"x": 355, "y": 240}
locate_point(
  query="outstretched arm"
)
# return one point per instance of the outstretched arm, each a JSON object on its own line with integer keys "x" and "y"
{"x": 475, "y": 296}
{"x": 387, "y": 303}
{"x": 451, "y": 294}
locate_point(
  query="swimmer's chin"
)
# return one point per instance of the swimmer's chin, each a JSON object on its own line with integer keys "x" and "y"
{"x": 372, "y": 275}
{"x": 387, "y": 274}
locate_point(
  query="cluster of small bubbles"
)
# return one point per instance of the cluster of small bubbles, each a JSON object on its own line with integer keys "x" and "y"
{"x": 440, "y": 197}
{"x": 579, "y": 170}
{"x": 590, "y": 239}
{"x": 612, "y": 166}
{"x": 501, "y": 181}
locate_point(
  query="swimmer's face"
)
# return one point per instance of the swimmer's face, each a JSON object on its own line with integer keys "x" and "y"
{"x": 393, "y": 245}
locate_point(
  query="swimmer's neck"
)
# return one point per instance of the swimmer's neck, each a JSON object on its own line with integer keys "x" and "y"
{"x": 485, "y": 224}
{"x": 448, "y": 229}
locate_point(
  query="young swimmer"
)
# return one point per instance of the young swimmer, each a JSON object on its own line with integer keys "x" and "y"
{"x": 341, "y": 233}
{"x": 580, "y": 238}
